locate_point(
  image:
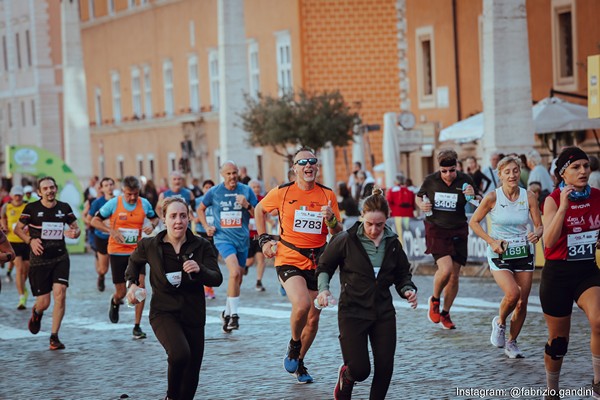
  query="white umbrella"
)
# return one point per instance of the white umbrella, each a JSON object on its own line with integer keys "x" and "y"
{"x": 551, "y": 114}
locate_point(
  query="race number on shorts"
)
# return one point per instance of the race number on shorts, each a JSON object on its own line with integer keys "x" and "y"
{"x": 308, "y": 221}
{"x": 517, "y": 248}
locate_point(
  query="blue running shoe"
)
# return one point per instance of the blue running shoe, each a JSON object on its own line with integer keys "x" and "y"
{"x": 290, "y": 361}
{"x": 302, "y": 373}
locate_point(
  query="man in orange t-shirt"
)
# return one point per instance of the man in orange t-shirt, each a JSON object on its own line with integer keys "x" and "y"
{"x": 308, "y": 212}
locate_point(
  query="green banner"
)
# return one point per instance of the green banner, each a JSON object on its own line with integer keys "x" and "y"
{"x": 37, "y": 162}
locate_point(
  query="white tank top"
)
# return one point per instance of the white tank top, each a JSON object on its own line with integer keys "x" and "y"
{"x": 509, "y": 219}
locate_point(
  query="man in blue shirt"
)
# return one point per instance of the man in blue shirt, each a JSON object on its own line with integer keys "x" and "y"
{"x": 232, "y": 204}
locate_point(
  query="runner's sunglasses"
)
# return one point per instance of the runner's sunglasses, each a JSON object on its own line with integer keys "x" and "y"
{"x": 302, "y": 162}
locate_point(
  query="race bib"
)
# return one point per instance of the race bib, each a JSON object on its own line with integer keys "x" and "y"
{"x": 210, "y": 220}
{"x": 308, "y": 221}
{"x": 582, "y": 246}
{"x": 445, "y": 201}
{"x": 517, "y": 248}
{"x": 130, "y": 236}
{"x": 231, "y": 219}
{"x": 252, "y": 224}
{"x": 52, "y": 230}
{"x": 174, "y": 278}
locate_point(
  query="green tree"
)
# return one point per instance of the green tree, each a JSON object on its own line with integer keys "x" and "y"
{"x": 298, "y": 119}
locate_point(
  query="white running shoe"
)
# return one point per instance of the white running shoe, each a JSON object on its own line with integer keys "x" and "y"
{"x": 512, "y": 350}
{"x": 498, "y": 333}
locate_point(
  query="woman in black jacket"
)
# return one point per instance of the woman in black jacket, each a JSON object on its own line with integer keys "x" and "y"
{"x": 180, "y": 265}
{"x": 371, "y": 259}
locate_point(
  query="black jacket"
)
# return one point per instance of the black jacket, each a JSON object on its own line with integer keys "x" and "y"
{"x": 362, "y": 294}
{"x": 186, "y": 301}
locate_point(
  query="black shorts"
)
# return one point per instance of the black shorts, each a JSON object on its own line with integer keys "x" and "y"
{"x": 254, "y": 248}
{"x": 284, "y": 272}
{"x": 44, "y": 272}
{"x": 443, "y": 242}
{"x": 118, "y": 265}
{"x": 563, "y": 282}
{"x": 101, "y": 245}
{"x": 21, "y": 250}
{"x": 524, "y": 264}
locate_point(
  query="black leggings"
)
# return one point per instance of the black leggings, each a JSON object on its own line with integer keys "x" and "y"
{"x": 354, "y": 333}
{"x": 185, "y": 348}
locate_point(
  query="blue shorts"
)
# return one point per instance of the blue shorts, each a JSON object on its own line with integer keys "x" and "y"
{"x": 226, "y": 249}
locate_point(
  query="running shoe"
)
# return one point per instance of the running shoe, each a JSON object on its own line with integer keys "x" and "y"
{"x": 8, "y": 278}
{"x": 100, "y": 283}
{"x": 595, "y": 389}
{"x": 446, "y": 322}
{"x": 113, "y": 311}
{"x": 55, "y": 343}
{"x": 290, "y": 361}
{"x": 22, "y": 302}
{"x": 225, "y": 319}
{"x": 302, "y": 373}
{"x": 434, "y": 310}
{"x": 234, "y": 322}
{"x": 343, "y": 386}
{"x": 35, "y": 322}
{"x": 498, "y": 337}
{"x": 259, "y": 286}
{"x": 512, "y": 350}
{"x": 209, "y": 293}
{"x": 138, "y": 333}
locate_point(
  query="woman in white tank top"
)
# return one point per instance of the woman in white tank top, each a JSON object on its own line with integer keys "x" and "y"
{"x": 511, "y": 249}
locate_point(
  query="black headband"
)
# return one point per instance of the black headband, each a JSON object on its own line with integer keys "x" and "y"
{"x": 566, "y": 158}
{"x": 448, "y": 162}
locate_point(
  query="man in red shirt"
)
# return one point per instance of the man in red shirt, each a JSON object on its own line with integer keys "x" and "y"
{"x": 401, "y": 199}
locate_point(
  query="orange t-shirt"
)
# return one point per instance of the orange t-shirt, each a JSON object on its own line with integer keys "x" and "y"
{"x": 300, "y": 220}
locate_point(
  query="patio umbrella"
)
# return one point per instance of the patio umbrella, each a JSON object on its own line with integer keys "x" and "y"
{"x": 550, "y": 115}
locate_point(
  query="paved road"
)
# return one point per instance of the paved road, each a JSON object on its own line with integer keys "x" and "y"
{"x": 102, "y": 361}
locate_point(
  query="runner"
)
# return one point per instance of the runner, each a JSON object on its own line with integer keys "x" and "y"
{"x": 107, "y": 186}
{"x": 176, "y": 189}
{"x": 254, "y": 252}
{"x": 209, "y": 292}
{"x": 49, "y": 259}
{"x": 11, "y": 212}
{"x": 308, "y": 212}
{"x": 446, "y": 231}
{"x": 232, "y": 205}
{"x": 371, "y": 259}
{"x": 571, "y": 222}
{"x": 511, "y": 249}
{"x": 6, "y": 251}
{"x": 180, "y": 264}
{"x": 126, "y": 214}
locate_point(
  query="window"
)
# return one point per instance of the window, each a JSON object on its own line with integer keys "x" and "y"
{"x": 131, "y": 3}
{"x": 91, "y": 12}
{"x": 23, "y": 115}
{"x": 254, "y": 70}
{"x": 151, "y": 166}
{"x": 136, "y": 92}
{"x": 284, "y": 62}
{"x": 192, "y": 34}
{"x": 111, "y": 7}
{"x": 147, "y": 92}
{"x": 33, "y": 120}
{"x": 172, "y": 162}
{"x": 213, "y": 71}
{"x": 120, "y": 167}
{"x": 101, "y": 166}
{"x": 564, "y": 44}
{"x": 116, "y": 93}
{"x": 9, "y": 115}
{"x": 140, "y": 165}
{"x": 5, "y": 53}
{"x": 28, "y": 44}
{"x": 194, "y": 83}
{"x": 168, "y": 86}
{"x": 425, "y": 67}
{"x": 98, "y": 106}
{"x": 18, "y": 50}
